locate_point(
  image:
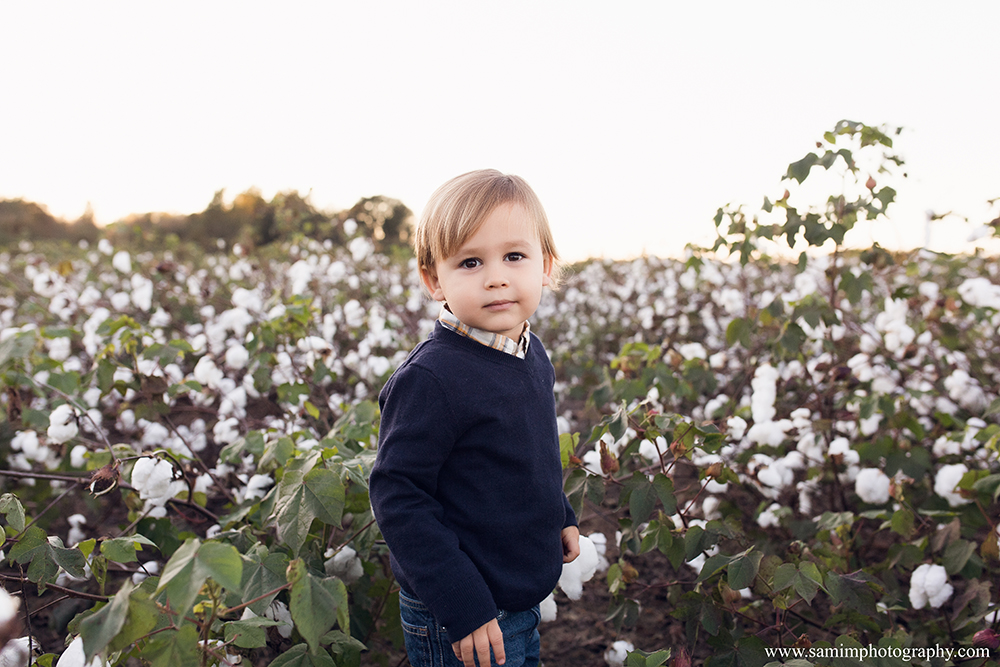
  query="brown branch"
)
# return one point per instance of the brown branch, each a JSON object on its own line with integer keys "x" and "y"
{"x": 68, "y": 591}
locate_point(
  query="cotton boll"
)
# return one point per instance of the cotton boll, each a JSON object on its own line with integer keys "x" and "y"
{"x": 616, "y": 655}
{"x": 769, "y": 518}
{"x": 142, "y": 292}
{"x": 344, "y": 564}
{"x": 872, "y": 486}
{"x": 226, "y": 431}
{"x": 929, "y": 586}
{"x": 278, "y": 611}
{"x": 575, "y": 573}
{"x": 548, "y": 608}
{"x": 257, "y": 487}
{"x": 122, "y": 262}
{"x": 207, "y": 373}
{"x": 947, "y": 479}
{"x": 237, "y": 357}
{"x": 736, "y": 427}
{"x": 62, "y": 424}
{"x": 9, "y": 606}
{"x": 154, "y": 480}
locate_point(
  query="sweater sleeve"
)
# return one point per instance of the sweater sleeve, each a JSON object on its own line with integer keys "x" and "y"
{"x": 417, "y": 433}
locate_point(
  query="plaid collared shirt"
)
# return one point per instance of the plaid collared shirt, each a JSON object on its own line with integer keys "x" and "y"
{"x": 496, "y": 341}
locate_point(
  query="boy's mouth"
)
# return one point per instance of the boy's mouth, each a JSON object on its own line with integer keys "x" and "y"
{"x": 499, "y": 305}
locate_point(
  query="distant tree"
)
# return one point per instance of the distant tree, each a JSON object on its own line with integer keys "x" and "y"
{"x": 387, "y": 220}
{"x": 24, "y": 220}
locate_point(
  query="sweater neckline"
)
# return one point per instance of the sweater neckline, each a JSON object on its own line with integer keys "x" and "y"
{"x": 448, "y": 337}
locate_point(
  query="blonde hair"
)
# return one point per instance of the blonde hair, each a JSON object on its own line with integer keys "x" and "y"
{"x": 457, "y": 210}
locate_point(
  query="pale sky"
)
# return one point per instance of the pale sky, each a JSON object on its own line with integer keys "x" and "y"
{"x": 633, "y": 121}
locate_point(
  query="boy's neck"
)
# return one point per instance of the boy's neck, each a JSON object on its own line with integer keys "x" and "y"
{"x": 517, "y": 348}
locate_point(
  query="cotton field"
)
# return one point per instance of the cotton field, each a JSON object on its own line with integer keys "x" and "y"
{"x": 887, "y": 395}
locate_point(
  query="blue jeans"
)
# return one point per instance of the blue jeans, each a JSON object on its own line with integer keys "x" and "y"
{"x": 427, "y": 643}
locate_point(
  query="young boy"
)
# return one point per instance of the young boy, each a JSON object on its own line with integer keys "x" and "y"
{"x": 467, "y": 485}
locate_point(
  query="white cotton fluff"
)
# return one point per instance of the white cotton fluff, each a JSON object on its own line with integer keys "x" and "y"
{"x": 764, "y": 392}
{"x": 980, "y": 293}
{"x": 947, "y": 479}
{"x": 768, "y": 518}
{"x": 737, "y": 427}
{"x": 76, "y": 535}
{"x": 148, "y": 569}
{"x": 74, "y": 656}
{"x": 237, "y": 357}
{"x": 965, "y": 390}
{"x": 344, "y": 564}
{"x": 618, "y": 652}
{"x": 17, "y": 652}
{"x": 226, "y": 431}
{"x": 896, "y": 333}
{"x": 154, "y": 480}
{"x": 548, "y": 608}
{"x": 360, "y": 248}
{"x": 693, "y": 351}
{"x": 8, "y": 606}
{"x": 580, "y": 570}
{"x": 122, "y": 261}
{"x": 62, "y": 424}
{"x": 929, "y": 586}
{"x": 207, "y": 373}
{"x": 300, "y": 273}
{"x": 771, "y": 433}
{"x": 142, "y": 292}
{"x": 257, "y": 487}
{"x": 872, "y": 486}
{"x": 278, "y": 611}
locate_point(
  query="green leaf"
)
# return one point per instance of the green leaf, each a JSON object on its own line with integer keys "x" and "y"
{"x": 664, "y": 487}
{"x": 743, "y": 569}
{"x": 17, "y": 347}
{"x": 141, "y": 620}
{"x": 957, "y": 554}
{"x": 785, "y": 576}
{"x": 642, "y": 499}
{"x": 248, "y": 633}
{"x": 853, "y": 591}
{"x": 299, "y": 656}
{"x": 173, "y": 648}
{"x": 902, "y": 522}
{"x": 800, "y": 170}
{"x": 567, "y": 447}
{"x": 46, "y": 555}
{"x": 262, "y": 573}
{"x": 739, "y": 331}
{"x": 98, "y": 629}
{"x": 316, "y": 604}
{"x": 319, "y": 495}
{"x": 712, "y": 565}
{"x": 12, "y": 509}
{"x": 194, "y": 562}
{"x": 120, "y": 549}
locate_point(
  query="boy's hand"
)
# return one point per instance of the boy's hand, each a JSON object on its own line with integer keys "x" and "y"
{"x": 571, "y": 543}
{"x": 479, "y": 643}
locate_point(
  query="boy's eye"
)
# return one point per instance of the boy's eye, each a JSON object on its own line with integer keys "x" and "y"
{"x": 470, "y": 263}
{"x": 514, "y": 256}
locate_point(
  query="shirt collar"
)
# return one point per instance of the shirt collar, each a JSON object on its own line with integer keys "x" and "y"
{"x": 518, "y": 348}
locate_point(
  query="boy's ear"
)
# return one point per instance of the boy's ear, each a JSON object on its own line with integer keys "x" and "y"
{"x": 547, "y": 276}
{"x": 428, "y": 276}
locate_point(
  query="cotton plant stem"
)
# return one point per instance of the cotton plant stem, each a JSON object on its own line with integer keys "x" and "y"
{"x": 60, "y": 589}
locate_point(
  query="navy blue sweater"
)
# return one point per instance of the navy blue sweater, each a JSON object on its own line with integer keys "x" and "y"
{"x": 467, "y": 484}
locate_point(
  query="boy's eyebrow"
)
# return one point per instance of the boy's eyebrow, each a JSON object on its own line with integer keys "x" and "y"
{"x": 507, "y": 246}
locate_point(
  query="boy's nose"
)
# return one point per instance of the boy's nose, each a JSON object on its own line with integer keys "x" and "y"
{"x": 496, "y": 279}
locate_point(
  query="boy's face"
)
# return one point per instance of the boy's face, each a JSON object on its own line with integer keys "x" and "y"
{"x": 494, "y": 282}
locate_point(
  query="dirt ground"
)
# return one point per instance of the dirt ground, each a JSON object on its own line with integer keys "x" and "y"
{"x": 581, "y": 634}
